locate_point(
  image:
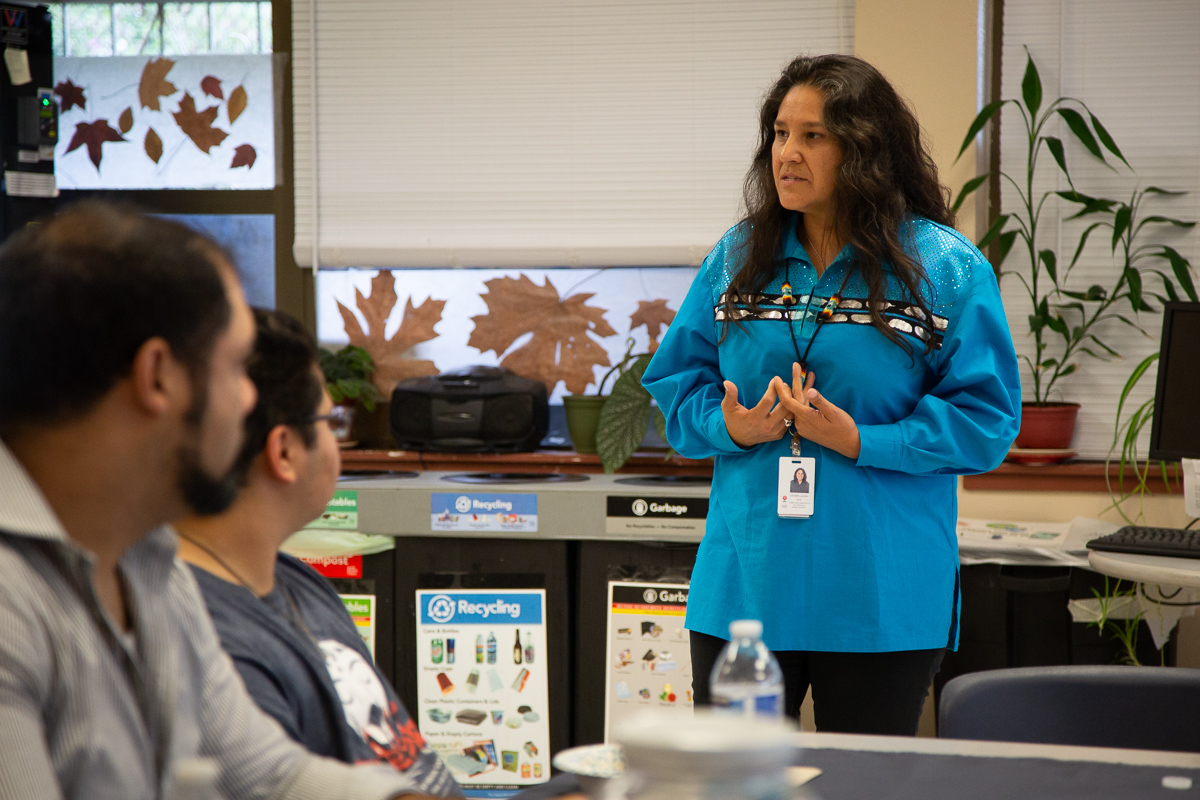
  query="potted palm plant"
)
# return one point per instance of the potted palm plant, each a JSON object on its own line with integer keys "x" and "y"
{"x": 1065, "y": 321}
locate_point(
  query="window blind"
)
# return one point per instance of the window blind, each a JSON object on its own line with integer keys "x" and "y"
{"x": 448, "y": 133}
{"x": 1137, "y": 67}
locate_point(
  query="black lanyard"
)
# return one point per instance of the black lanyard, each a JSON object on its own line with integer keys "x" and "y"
{"x": 823, "y": 316}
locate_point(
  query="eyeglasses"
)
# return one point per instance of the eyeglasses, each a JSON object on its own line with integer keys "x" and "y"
{"x": 340, "y": 418}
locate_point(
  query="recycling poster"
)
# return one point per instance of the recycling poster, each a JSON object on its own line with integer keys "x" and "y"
{"x": 482, "y": 689}
{"x": 649, "y": 653}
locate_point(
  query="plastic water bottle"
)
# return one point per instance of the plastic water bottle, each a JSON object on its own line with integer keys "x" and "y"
{"x": 746, "y": 678}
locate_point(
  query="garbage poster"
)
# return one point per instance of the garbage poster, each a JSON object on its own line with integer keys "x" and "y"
{"x": 482, "y": 687}
{"x": 649, "y": 654}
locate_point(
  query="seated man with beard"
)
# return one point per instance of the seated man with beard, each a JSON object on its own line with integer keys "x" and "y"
{"x": 123, "y": 388}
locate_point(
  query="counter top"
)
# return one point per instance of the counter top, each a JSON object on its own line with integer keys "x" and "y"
{"x": 645, "y": 462}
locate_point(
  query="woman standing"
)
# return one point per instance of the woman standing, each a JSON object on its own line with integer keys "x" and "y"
{"x": 874, "y": 335}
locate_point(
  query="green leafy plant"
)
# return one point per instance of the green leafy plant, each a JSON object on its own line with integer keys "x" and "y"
{"x": 1125, "y": 631}
{"x": 1063, "y": 322}
{"x": 627, "y": 411}
{"x": 348, "y": 375}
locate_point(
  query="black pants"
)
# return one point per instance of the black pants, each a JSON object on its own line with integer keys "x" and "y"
{"x": 881, "y": 693}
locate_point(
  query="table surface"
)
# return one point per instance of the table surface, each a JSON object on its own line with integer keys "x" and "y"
{"x": 1161, "y": 570}
{"x": 898, "y": 768}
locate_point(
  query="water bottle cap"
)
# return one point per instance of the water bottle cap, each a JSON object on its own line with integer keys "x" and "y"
{"x": 745, "y": 629}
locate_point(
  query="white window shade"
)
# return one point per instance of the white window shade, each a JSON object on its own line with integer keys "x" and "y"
{"x": 446, "y": 133}
{"x": 1137, "y": 67}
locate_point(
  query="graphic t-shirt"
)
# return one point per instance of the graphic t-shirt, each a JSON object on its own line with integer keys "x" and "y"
{"x": 304, "y": 663}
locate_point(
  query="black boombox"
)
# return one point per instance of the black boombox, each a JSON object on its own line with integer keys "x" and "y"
{"x": 471, "y": 410}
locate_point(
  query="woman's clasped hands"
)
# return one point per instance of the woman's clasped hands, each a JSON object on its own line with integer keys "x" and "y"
{"x": 799, "y": 404}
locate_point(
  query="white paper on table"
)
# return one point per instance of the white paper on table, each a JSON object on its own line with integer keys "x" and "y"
{"x": 1191, "y": 486}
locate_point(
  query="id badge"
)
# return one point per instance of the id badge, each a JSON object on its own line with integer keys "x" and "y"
{"x": 797, "y": 487}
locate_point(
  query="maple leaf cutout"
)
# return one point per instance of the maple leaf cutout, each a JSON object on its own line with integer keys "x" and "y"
{"x": 416, "y": 326}
{"x": 154, "y": 83}
{"x": 237, "y": 104}
{"x": 243, "y": 156}
{"x": 153, "y": 145}
{"x": 211, "y": 86}
{"x": 655, "y": 315}
{"x": 126, "y": 120}
{"x": 94, "y": 134}
{"x": 562, "y": 346}
{"x": 198, "y": 125}
{"x": 71, "y": 95}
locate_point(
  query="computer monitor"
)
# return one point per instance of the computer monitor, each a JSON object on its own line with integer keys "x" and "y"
{"x": 1175, "y": 431}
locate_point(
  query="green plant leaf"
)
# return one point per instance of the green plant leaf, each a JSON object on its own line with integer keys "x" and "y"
{"x": 1178, "y": 223}
{"x": 1172, "y": 295}
{"x": 1050, "y": 261}
{"x": 1120, "y": 224}
{"x": 1079, "y": 127}
{"x": 1182, "y": 269}
{"x": 1134, "y": 278}
{"x": 624, "y": 419}
{"x": 1031, "y": 86}
{"x": 1007, "y": 240}
{"x": 660, "y": 423}
{"x": 977, "y": 124}
{"x": 1067, "y": 370}
{"x": 969, "y": 187}
{"x": 1096, "y": 292}
{"x": 1057, "y": 324}
{"x": 1083, "y": 241}
{"x": 1132, "y": 380}
{"x": 993, "y": 231}
{"x": 1056, "y": 149}
{"x": 1107, "y": 349}
{"x": 1106, "y": 139}
{"x": 1167, "y": 192}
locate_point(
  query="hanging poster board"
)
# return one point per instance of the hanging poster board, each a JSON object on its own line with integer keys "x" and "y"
{"x": 482, "y": 687}
{"x": 649, "y": 653}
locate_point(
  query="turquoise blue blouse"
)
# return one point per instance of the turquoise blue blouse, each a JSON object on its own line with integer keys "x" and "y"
{"x": 876, "y": 566}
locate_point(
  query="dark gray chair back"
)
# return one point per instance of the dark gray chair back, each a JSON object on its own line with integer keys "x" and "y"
{"x": 1149, "y": 708}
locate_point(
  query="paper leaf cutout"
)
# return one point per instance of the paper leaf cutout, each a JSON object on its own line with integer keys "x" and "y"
{"x": 416, "y": 326}
{"x": 243, "y": 156}
{"x": 211, "y": 85}
{"x": 71, "y": 95}
{"x": 154, "y": 83}
{"x": 561, "y": 348}
{"x": 153, "y": 145}
{"x": 655, "y": 315}
{"x": 237, "y": 104}
{"x": 126, "y": 120}
{"x": 198, "y": 125}
{"x": 94, "y": 134}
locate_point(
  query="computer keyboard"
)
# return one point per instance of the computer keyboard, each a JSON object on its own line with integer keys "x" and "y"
{"x": 1151, "y": 542}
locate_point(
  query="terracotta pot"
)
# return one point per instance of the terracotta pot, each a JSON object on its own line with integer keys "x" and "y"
{"x": 1050, "y": 426}
{"x": 583, "y": 417}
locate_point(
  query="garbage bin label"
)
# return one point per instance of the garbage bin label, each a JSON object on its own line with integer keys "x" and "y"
{"x": 453, "y": 511}
{"x": 653, "y": 513}
{"x": 482, "y": 686}
{"x": 649, "y": 652}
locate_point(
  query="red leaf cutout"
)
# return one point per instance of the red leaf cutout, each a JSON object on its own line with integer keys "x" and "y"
{"x": 198, "y": 124}
{"x": 212, "y": 87}
{"x": 243, "y": 156}
{"x": 94, "y": 134}
{"x": 71, "y": 95}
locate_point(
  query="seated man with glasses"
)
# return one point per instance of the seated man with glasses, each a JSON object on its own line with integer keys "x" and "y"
{"x": 291, "y": 639}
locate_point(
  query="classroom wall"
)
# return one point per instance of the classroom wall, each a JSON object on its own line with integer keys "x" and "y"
{"x": 927, "y": 49}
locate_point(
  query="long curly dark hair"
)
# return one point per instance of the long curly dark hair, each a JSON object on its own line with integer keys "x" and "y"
{"x": 886, "y": 175}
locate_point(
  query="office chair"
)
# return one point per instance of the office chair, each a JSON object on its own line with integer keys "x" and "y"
{"x": 1148, "y": 708}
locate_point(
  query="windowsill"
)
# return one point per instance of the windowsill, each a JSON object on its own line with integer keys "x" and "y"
{"x": 1074, "y": 476}
{"x": 643, "y": 462}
